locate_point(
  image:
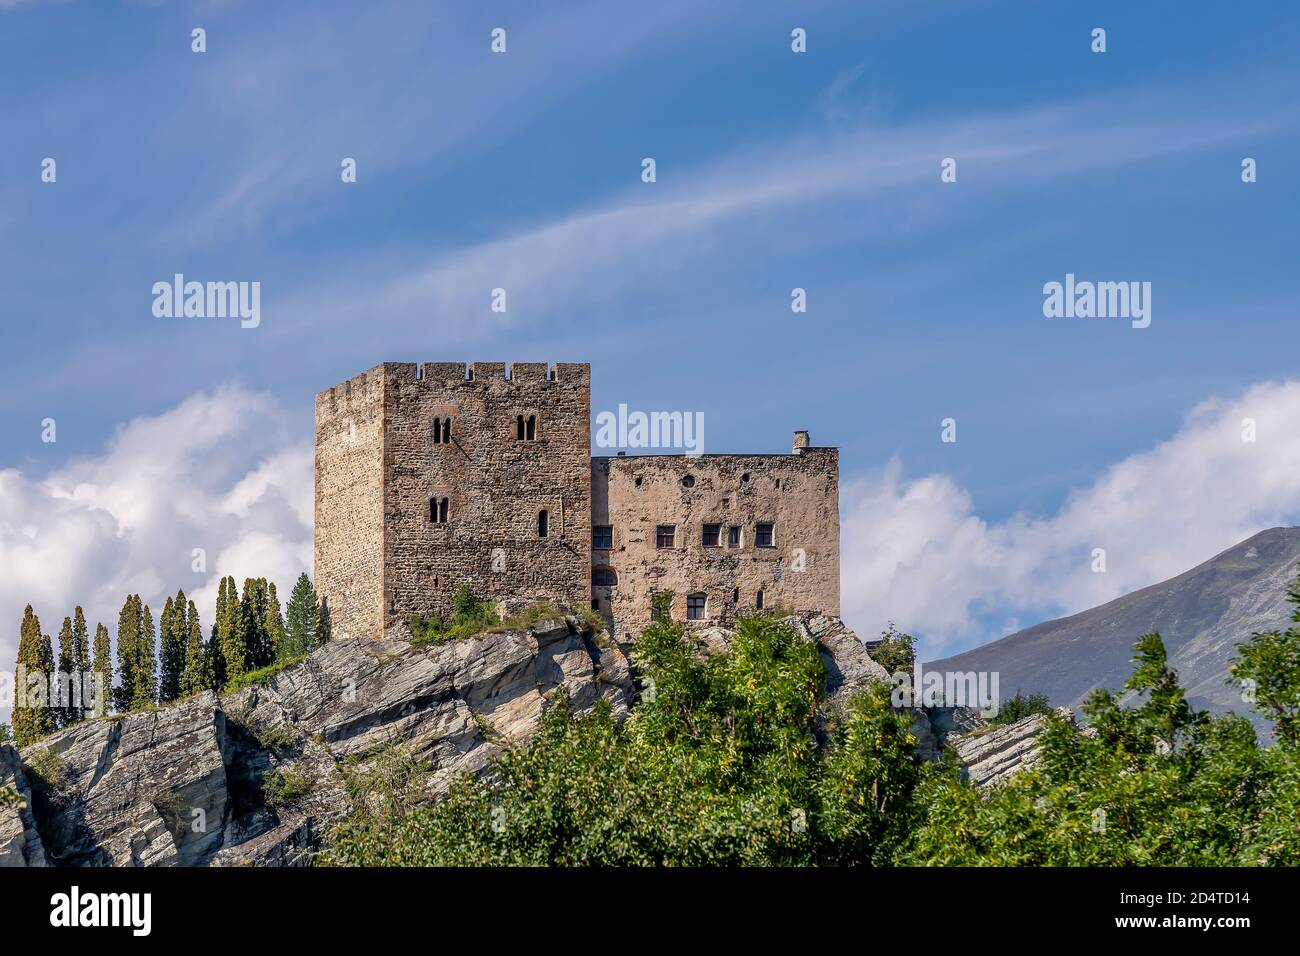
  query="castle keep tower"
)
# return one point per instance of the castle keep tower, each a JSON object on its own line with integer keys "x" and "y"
{"x": 431, "y": 476}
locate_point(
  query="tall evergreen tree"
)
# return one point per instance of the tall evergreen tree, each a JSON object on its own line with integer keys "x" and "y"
{"x": 146, "y": 677}
{"x": 65, "y": 712}
{"x": 80, "y": 660}
{"x": 196, "y": 675}
{"x": 232, "y": 636}
{"x": 302, "y": 619}
{"x": 173, "y": 635}
{"x": 215, "y": 657}
{"x": 102, "y": 666}
{"x": 32, "y": 716}
{"x": 252, "y": 610}
{"x": 128, "y": 635}
{"x": 274, "y": 625}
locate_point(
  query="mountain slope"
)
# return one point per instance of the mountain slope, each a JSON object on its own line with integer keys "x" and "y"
{"x": 1202, "y": 615}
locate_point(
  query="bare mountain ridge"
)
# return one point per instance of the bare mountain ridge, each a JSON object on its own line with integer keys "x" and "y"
{"x": 1202, "y": 614}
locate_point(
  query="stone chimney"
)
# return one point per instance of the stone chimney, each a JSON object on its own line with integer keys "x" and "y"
{"x": 800, "y": 443}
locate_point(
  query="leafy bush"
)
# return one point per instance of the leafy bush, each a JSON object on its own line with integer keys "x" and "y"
{"x": 470, "y": 616}
{"x": 896, "y": 650}
{"x": 285, "y": 786}
{"x": 5, "y": 735}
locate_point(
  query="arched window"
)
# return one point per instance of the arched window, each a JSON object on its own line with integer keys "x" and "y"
{"x": 438, "y": 510}
{"x": 543, "y": 523}
{"x": 604, "y": 577}
{"x": 442, "y": 431}
{"x": 446, "y": 431}
{"x": 519, "y": 428}
{"x": 530, "y": 428}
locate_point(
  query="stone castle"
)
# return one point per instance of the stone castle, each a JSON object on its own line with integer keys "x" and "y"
{"x": 430, "y": 476}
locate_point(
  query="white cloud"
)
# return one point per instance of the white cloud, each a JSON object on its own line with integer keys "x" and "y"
{"x": 916, "y": 552}
{"x": 222, "y": 471}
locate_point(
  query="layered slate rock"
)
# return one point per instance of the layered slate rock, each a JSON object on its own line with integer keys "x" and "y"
{"x": 189, "y": 784}
{"x": 148, "y": 789}
{"x": 994, "y": 755}
{"x": 20, "y": 844}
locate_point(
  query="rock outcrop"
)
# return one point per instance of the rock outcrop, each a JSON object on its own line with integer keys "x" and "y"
{"x": 993, "y": 755}
{"x": 20, "y": 844}
{"x": 252, "y": 778}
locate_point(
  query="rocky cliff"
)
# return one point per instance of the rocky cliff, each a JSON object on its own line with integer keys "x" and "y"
{"x": 254, "y": 778}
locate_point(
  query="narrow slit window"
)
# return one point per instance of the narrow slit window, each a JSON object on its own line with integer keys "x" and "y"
{"x": 758, "y": 600}
{"x": 543, "y": 523}
{"x": 519, "y": 428}
{"x": 530, "y": 428}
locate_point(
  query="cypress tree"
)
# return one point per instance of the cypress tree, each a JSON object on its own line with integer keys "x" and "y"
{"x": 302, "y": 619}
{"x": 65, "y": 713}
{"x": 216, "y": 661}
{"x": 80, "y": 660}
{"x": 232, "y": 636}
{"x": 174, "y": 634}
{"x": 195, "y": 677}
{"x": 274, "y": 625}
{"x": 252, "y": 610}
{"x": 102, "y": 666}
{"x": 128, "y": 635}
{"x": 32, "y": 716}
{"x": 146, "y": 678}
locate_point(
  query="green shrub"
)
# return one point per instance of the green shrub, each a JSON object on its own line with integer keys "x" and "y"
{"x": 896, "y": 650}
{"x": 1020, "y": 707}
{"x": 470, "y": 616}
{"x": 285, "y": 786}
{"x": 262, "y": 676}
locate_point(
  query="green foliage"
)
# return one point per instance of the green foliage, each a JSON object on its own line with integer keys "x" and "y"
{"x": 11, "y": 798}
{"x": 719, "y": 765}
{"x": 302, "y": 619}
{"x": 260, "y": 677}
{"x": 1268, "y": 664}
{"x": 896, "y": 650}
{"x": 34, "y": 718}
{"x": 285, "y": 786}
{"x": 5, "y": 735}
{"x": 102, "y": 665}
{"x": 469, "y": 616}
{"x": 1019, "y": 707}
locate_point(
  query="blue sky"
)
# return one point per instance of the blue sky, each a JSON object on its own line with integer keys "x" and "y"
{"x": 775, "y": 170}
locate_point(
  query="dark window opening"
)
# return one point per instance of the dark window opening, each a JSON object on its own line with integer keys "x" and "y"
{"x": 638, "y": 482}
{"x": 688, "y": 481}
{"x": 763, "y": 536}
{"x": 602, "y": 537}
{"x": 595, "y": 604}
{"x": 666, "y": 536}
{"x": 744, "y": 478}
{"x": 735, "y": 595}
{"x": 758, "y": 600}
{"x": 733, "y": 536}
{"x": 543, "y": 523}
{"x": 438, "y": 510}
{"x": 530, "y": 428}
{"x": 711, "y": 535}
{"x": 778, "y": 484}
{"x": 695, "y": 607}
{"x": 604, "y": 577}
{"x": 442, "y": 431}
{"x": 519, "y": 428}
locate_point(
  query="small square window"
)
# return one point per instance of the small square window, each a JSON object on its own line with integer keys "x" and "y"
{"x": 711, "y": 535}
{"x": 695, "y": 604}
{"x": 602, "y": 536}
{"x": 733, "y": 536}
{"x": 666, "y": 536}
{"x": 762, "y": 535}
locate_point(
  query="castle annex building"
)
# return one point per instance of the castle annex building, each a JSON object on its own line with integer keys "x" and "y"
{"x": 433, "y": 475}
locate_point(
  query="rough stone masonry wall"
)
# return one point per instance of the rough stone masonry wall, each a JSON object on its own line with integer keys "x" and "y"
{"x": 797, "y": 493}
{"x": 349, "y": 516}
{"x": 496, "y": 485}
